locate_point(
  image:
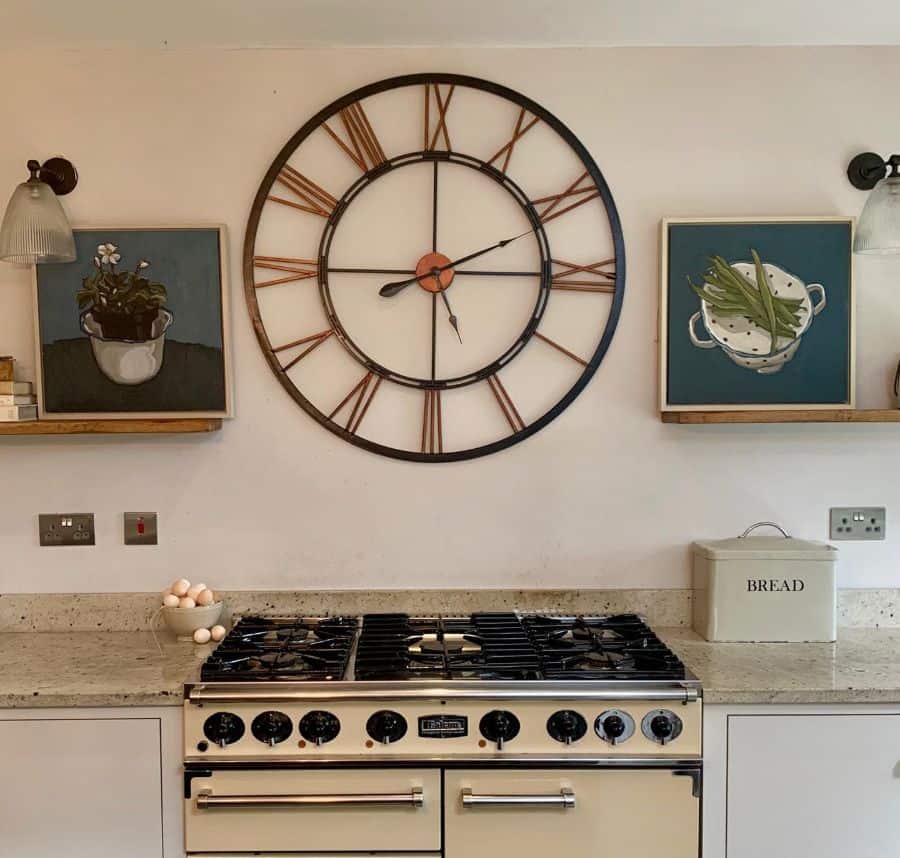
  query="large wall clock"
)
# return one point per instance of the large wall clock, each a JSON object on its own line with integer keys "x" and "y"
{"x": 434, "y": 267}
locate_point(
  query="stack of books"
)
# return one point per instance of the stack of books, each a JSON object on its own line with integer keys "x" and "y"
{"x": 17, "y": 400}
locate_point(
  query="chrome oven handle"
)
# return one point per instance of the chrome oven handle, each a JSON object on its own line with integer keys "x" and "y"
{"x": 414, "y": 798}
{"x": 564, "y": 799}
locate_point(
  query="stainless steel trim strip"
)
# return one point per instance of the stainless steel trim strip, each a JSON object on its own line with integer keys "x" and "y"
{"x": 414, "y": 798}
{"x": 406, "y": 762}
{"x": 564, "y": 799}
{"x": 256, "y": 692}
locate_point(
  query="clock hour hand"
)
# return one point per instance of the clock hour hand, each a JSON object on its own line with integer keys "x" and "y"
{"x": 391, "y": 289}
{"x": 453, "y": 320}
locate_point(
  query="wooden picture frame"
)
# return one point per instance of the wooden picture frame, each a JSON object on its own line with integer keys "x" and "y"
{"x": 741, "y": 380}
{"x": 103, "y": 366}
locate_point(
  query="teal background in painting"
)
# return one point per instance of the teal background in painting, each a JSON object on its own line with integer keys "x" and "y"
{"x": 185, "y": 261}
{"x": 819, "y": 373}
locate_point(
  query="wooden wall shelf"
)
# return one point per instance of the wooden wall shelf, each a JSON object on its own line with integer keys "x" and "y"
{"x": 846, "y": 415}
{"x": 181, "y": 425}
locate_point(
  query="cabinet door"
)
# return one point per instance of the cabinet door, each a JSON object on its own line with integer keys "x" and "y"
{"x": 646, "y": 813}
{"x": 80, "y": 788}
{"x": 822, "y": 785}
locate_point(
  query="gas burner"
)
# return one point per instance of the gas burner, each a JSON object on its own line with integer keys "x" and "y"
{"x": 440, "y": 643}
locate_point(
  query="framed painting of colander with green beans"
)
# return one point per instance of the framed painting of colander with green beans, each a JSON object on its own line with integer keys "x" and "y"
{"x": 756, "y": 314}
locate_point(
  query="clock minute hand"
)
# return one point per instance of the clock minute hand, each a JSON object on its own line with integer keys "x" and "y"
{"x": 391, "y": 289}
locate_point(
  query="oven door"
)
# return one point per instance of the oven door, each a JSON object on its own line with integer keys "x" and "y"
{"x": 536, "y": 813}
{"x": 268, "y": 810}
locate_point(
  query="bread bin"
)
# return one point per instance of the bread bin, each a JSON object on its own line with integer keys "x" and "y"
{"x": 764, "y": 588}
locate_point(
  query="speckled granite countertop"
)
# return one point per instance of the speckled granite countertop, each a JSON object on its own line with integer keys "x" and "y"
{"x": 127, "y": 669}
{"x": 95, "y": 669}
{"x": 863, "y": 666}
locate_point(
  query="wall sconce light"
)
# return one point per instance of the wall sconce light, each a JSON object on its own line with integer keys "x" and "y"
{"x": 878, "y": 227}
{"x": 35, "y": 227}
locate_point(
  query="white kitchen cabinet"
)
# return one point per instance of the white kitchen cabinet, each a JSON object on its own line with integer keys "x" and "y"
{"x": 796, "y": 781}
{"x": 90, "y": 783}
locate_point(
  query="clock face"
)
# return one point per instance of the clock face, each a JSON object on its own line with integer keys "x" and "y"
{"x": 434, "y": 267}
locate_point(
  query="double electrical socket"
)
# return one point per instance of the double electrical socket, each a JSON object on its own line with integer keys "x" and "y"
{"x": 67, "y": 528}
{"x": 858, "y": 522}
{"x": 77, "y": 528}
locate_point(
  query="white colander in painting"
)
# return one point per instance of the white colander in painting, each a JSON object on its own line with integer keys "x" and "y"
{"x": 745, "y": 342}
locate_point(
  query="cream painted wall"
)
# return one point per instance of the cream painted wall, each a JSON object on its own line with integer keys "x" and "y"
{"x": 606, "y": 495}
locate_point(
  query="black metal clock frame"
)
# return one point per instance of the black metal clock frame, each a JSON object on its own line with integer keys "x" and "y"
{"x": 369, "y": 176}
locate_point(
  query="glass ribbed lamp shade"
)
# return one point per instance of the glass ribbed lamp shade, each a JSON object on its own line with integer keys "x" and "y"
{"x": 878, "y": 228}
{"x": 35, "y": 228}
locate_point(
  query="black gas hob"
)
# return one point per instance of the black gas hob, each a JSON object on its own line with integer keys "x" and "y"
{"x": 483, "y": 646}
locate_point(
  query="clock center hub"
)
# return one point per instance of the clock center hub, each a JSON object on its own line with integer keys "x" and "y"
{"x": 430, "y": 276}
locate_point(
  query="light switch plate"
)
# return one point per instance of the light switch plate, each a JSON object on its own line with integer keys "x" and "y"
{"x": 66, "y": 528}
{"x": 858, "y": 522}
{"x": 141, "y": 528}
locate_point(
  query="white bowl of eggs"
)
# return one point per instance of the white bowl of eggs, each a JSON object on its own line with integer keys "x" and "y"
{"x": 192, "y": 612}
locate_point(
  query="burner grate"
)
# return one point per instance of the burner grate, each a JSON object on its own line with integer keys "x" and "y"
{"x": 283, "y": 648}
{"x": 483, "y": 646}
{"x": 616, "y": 647}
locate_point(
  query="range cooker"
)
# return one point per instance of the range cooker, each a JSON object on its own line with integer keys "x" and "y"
{"x": 465, "y": 737}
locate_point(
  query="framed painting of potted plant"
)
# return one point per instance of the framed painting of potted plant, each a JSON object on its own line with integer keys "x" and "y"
{"x": 756, "y": 314}
{"x": 137, "y": 326}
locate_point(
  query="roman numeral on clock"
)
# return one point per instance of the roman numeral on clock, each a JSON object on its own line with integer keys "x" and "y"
{"x": 432, "y": 426}
{"x": 315, "y": 339}
{"x": 507, "y": 406}
{"x": 364, "y": 149}
{"x": 560, "y": 348}
{"x": 300, "y": 269}
{"x": 315, "y": 200}
{"x": 440, "y": 111}
{"x": 506, "y": 151}
{"x": 361, "y": 396}
{"x": 577, "y": 194}
{"x": 595, "y": 277}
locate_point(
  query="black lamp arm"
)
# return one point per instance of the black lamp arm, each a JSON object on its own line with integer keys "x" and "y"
{"x": 868, "y": 168}
{"x": 59, "y": 173}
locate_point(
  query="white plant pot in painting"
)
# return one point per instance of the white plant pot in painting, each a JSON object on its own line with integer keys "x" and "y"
{"x": 745, "y": 342}
{"x": 128, "y": 361}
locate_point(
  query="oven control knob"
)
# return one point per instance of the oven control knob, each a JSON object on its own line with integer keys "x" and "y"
{"x": 271, "y": 727}
{"x": 661, "y": 726}
{"x": 566, "y": 726}
{"x": 499, "y": 726}
{"x": 614, "y": 726}
{"x": 223, "y": 728}
{"x": 319, "y": 726}
{"x": 386, "y": 726}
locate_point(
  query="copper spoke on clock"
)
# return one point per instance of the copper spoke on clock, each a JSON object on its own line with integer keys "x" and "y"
{"x": 301, "y": 269}
{"x": 516, "y": 423}
{"x": 366, "y": 152}
{"x": 315, "y": 339}
{"x": 429, "y": 140}
{"x": 316, "y": 200}
{"x": 560, "y": 348}
{"x": 364, "y": 392}
{"x": 572, "y": 192}
{"x": 594, "y": 278}
{"x": 432, "y": 428}
{"x": 506, "y": 151}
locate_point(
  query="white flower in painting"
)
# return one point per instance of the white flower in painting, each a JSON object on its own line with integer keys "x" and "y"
{"x": 97, "y": 261}
{"x": 108, "y": 255}
{"x": 143, "y": 264}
